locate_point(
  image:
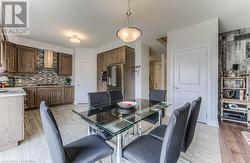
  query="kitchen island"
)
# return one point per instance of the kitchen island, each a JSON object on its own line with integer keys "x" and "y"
{"x": 12, "y": 117}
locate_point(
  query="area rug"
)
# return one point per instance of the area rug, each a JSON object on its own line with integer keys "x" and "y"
{"x": 246, "y": 135}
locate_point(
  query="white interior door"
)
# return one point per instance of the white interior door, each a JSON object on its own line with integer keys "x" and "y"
{"x": 84, "y": 81}
{"x": 190, "y": 78}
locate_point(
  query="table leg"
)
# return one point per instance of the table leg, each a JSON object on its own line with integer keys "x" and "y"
{"x": 160, "y": 117}
{"x": 119, "y": 148}
{"x": 140, "y": 128}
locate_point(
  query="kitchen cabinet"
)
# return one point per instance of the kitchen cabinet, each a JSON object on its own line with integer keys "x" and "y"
{"x": 68, "y": 94}
{"x": 56, "y": 96}
{"x": 30, "y": 97}
{"x": 109, "y": 58}
{"x": 53, "y": 95}
{"x": 124, "y": 55}
{"x": 100, "y": 69}
{"x": 42, "y": 94}
{"x": 120, "y": 55}
{"x": 65, "y": 64}
{"x": 12, "y": 121}
{"x": 10, "y": 53}
{"x": 27, "y": 59}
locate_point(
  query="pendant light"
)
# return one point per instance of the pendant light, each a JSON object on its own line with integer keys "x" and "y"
{"x": 129, "y": 33}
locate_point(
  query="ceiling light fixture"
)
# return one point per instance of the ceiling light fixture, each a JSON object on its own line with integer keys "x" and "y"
{"x": 129, "y": 33}
{"x": 75, "y": 39}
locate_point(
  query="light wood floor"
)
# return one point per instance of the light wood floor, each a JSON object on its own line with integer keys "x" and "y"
{"x": 205, "y": 147}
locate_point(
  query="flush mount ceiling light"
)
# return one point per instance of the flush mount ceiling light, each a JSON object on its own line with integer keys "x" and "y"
{"x": 75, "y": 39}
{"x": 129, "y": 33}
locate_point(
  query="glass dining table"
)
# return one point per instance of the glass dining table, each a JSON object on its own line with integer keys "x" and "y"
{"x": 116, "y": 120}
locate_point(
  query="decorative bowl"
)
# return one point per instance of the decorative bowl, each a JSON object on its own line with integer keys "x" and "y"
{"x": 127, "y": 104}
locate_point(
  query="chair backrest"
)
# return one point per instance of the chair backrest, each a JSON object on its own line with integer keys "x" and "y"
{"x": 99, "y": 98}
{"x": 52, "y": 134}
{"x": 174, "y": 135}
{"x": 192, "y": 121}
{"x": 157, "y": 95}
{"x": 115, "y": 96}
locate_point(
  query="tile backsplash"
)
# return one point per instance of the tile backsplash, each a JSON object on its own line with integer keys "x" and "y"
{"x": 43, "y": 75}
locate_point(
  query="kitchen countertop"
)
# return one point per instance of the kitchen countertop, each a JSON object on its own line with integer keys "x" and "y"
{"x": 34, "y": 86}
{"x": 12, "y": 92}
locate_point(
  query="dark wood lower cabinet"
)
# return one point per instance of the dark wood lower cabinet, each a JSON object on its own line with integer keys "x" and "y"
{"x": 52, "y": 95}
{"x": 56, "y": 96}
{"x": 42, "y": 94}
{"x": 68, "y": 96}
{"x": 30, "y": 97}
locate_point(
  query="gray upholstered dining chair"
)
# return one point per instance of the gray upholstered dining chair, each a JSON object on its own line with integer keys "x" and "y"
{"x": 158, "y": 96}
{"x": 148, "y": 149}
{"x": 115, "y": 96}
{"x": 99, "y": 98}
{"x": 88, "y": 149}
{"x": 192, "y": 121}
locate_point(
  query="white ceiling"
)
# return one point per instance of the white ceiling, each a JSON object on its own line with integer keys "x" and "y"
{"x": 98, "y": 20}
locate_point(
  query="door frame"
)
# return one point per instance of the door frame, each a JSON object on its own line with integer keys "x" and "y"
{"x": 212, "y": 81}
{"x": 206, "y": 77}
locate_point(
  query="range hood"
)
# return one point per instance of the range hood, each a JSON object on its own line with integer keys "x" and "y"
{"x": 48, "y": 59}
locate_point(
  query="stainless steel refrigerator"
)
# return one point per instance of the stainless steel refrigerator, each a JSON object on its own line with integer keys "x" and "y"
{"x": 116, "y": 77}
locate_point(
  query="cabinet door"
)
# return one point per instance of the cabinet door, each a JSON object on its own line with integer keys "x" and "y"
{"x": 68, "y": 94}
{"x": 100, "y": 69}
{"x": 42, "y": 94}
{"x": 55, "y": 96}
{"x": 12, "y": 120}
{"x": 27, "y": 59}
{"x": 10, "y": 53}
{"x": 120, "y": 53}
{"x": 109, "y": 58}
{"x": 30, "y": 97}
{"x": 65, "y": 64}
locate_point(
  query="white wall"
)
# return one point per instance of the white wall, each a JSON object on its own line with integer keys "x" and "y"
{"x": 84, "y": 56}
{"x": 142, "y": 73}
{"x": 204, "y": 34}
{"x": 113, "y": 45}
{"x": 40, "y": 45}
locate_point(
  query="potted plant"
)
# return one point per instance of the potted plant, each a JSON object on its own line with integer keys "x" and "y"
{"x": 68, "y": 81}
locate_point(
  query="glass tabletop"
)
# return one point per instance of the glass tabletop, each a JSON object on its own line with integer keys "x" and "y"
{"x": 115, "y": 120}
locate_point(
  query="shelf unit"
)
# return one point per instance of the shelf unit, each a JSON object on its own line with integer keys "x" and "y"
{"x": 235, "y": 109}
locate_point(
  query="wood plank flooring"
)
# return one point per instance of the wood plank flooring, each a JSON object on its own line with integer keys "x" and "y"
{"x": 234, "y": 148}
{"x": 205, "y": 147}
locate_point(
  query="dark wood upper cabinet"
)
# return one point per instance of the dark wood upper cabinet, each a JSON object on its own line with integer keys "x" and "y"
{"x": 65, "y": 64}
{"x": 27, "y": 59}
{"x": 120, "y": 55}
{"x": 10, "y": 53}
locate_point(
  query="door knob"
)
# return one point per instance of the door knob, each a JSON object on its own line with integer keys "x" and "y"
{"x": 176, "y": 88}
